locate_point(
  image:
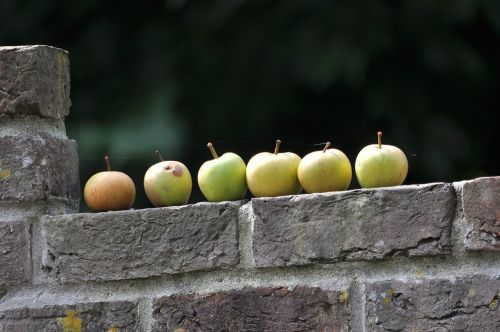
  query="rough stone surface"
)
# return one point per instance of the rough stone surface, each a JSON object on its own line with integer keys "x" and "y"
{"x": 15, "y": 262}
{"x": 142, "y": 243}
{"x": 100, "y": 316}
{"x": 468, "y": 304}
{"x": 34, "y": 80}
{"x": 38, "y": 166}
{"x": 481, "y": 206}
{"x": 353, "y": 225}
{"x": 258, "y": 309}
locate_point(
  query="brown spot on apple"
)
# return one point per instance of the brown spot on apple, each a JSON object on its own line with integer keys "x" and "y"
{"x": 175, "y": 169}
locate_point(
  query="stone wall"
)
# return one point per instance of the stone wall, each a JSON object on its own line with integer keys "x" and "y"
{"x": 409, "y": 258}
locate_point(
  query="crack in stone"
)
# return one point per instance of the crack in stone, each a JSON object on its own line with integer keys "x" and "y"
{"x": 345, "y": 254}
{"x": 7, "y": 93}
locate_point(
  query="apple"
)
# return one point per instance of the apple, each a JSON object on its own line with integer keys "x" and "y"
{"x": 273, "y": 174}
{"x": 380, "y": 165}
{"x": 224, "y": 178}
{"x": 109, "y": 190}
{"x": 167, "y": 183}
{"x": 326, "y": 170}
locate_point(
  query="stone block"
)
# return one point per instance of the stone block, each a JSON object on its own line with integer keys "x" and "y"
{"x": 141, "y": 243}
{"x": 38, "y": 166}
{"x": 481, "y": 207}
{"x": 99, "y": 316}
{"x": 467, "y": 304}
{"x": 353, "y": 225}
{"x": 15, "y": 253}
{"x": 34, "y": 80}
{"x": 254, "y": 309}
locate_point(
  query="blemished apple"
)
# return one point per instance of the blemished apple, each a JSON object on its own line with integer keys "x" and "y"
{"x": 326, "y": 170}
{"x": 109, "y": 190}
{"x": 380, "y": 165}
{"x": 223, "y": 178}
{"x": 168, "y": 183}
{"x": 273, "y": 174}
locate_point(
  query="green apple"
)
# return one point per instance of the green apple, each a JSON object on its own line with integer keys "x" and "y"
{"x": 109, "y": 190}
{"x": 380, "y": 165}
{"x": 273, "y": 174}
{"x": 224, "y": 178}
{"x": 167, "y": 183}
{"x": 326, "y": 170}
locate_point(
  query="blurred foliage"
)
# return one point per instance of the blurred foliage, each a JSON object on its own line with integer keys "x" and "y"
{"x": 174, "y": 74}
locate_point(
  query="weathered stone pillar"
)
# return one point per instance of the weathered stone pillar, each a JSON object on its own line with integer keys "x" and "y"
{"x": 38, "y": 163}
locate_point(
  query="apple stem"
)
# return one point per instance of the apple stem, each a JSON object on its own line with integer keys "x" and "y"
{"x": 212, "y": 150}
{"x": 327, "y": 145}
{"x": 106, "y": 161}
{"x": 277, "y": 147}
{"x": 379, "y": 135}
{"x": 159, "y": 155}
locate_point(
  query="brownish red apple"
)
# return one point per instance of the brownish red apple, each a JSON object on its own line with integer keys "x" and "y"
{"x": 109, "y": 190}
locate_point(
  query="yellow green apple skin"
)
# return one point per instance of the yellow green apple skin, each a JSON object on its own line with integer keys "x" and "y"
{"x": 379, "y": 165}
{"x": 323, "y": 171}
{"x": 273, "y": 174}
{"x": 109, "y": 191}
{"x": 168, "y": 183}
{"x": 223, "y": 178}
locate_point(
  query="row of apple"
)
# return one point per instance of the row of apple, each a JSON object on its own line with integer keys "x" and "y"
{"x": 267, "y": 174}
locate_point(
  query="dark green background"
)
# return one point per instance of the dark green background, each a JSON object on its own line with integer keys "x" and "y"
{"x": 174, "y": 74}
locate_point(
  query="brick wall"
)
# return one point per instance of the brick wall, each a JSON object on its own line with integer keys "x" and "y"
{"x": 409, "y": 258}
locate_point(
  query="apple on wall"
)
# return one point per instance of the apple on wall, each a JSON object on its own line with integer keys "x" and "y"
{"x": 223, "y": 178}
{"x": 273, "y": 174}
{"x": 325, "y": 170}
{"x": 167, "y": 183}
{"x": 109, "y": 190}
{"x": 380, "y": 165}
